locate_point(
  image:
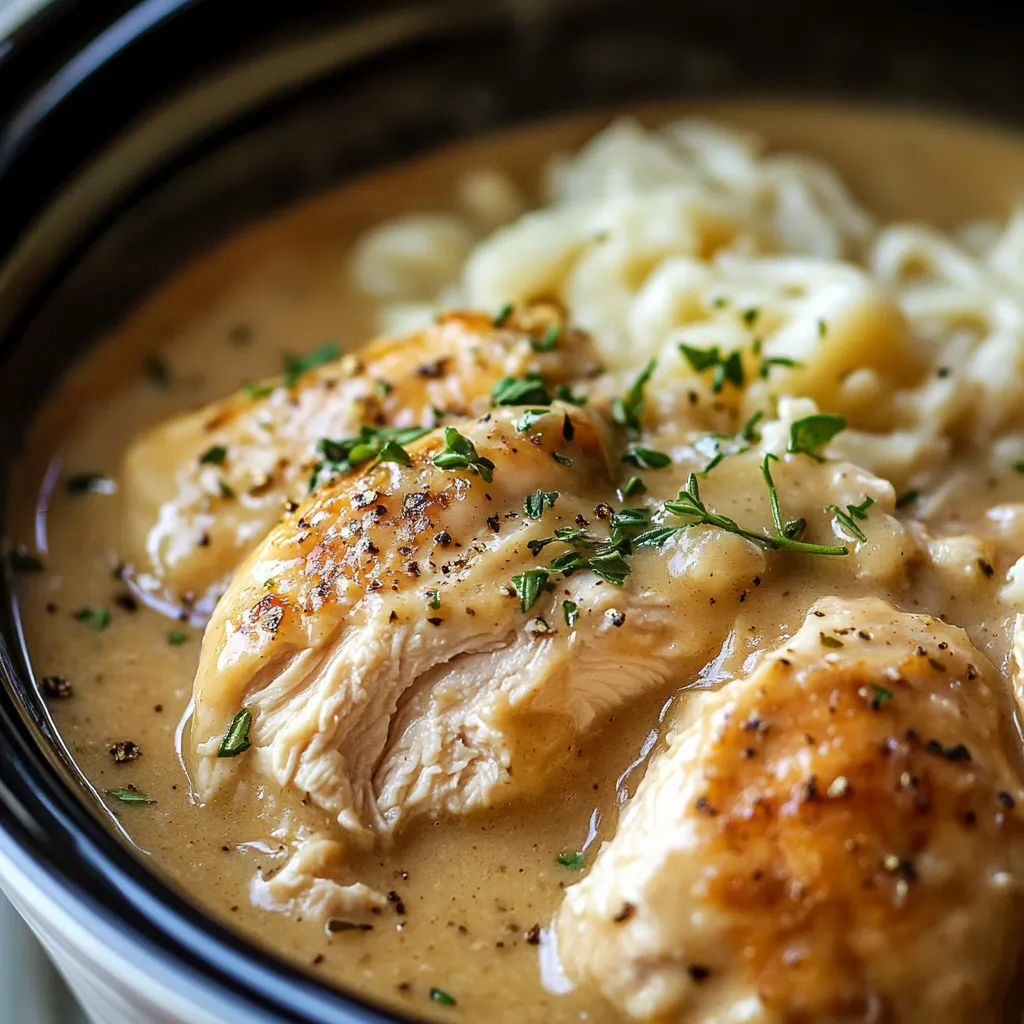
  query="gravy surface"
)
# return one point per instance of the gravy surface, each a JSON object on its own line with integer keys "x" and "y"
{"x": 467, "y": 894}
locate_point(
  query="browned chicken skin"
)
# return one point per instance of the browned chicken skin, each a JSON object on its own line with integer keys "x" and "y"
{"x": 203, "y": 489}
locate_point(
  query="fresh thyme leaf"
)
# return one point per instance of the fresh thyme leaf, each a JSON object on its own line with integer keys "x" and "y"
{"x": 701, "y": 359}
{"x": 809, "y": 435}
{"x": 157, "y": 371}
{"x": 727, "y": 368}
{"x": 561, "y": 459}
{"x": 435, "y": 599}
{"x": 645, "y": 458}
{"x": 460, "y": 453}
{"x": 98, "y": 618}
{"x": 21, "y": 559}
{"x": 539, "y": 500}
{"x": 176, "y": 637}
{"x": 549, "y": 340}
{"x": 529, "y": 390}
{"x": 236, "y": 739}
{"x": 571, "y": 613}
{"x": 214, "y": 456}
{"x": 879, "y": 696}
{"x": 439, "y": 996}
{"x": 501, "y": 317}
{"x": 571, "y": 860}
{"x": 634, "y": 485}
{"x": 627, "y": 518}
{"x": 296, "y": 366}
{"x": 89, "y": 483}
{"x": 130, "y": 795}
{"x": 627, "y": 409}
{"x": 749, "y": 431}
{"x": 822, "y": 328}
{"x": 785, "y": 533}
{"x": 719, "y": 302}
{"x": 530, "y": 417}
{"x": 908, "y": 498}
{"x": 564, "y": 393}
{"x": 257, "y": 391}
{"x": 748, "y": 316}
{"x": 529, "y": 586}
{"x": 392, "y": 451}
{"x": 770, "y": 361}
{"x": 852, "y": 513}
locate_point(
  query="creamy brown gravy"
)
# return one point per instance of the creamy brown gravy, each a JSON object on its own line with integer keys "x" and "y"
{"x": 471, "y": 889}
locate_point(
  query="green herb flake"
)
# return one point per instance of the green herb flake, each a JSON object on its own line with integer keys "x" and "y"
{"x": 770, "y": 361}
{"x": 564, "y": 393}
{"x": 176, "y": 637}
{"x": 809, "y": 435}
{"x": 392, "y": 451}
{"x": 434, "y": 601}
{"x": 572, "y": 860}
{"x": 908, "y": 497}
{"x": 130, "y": 795}
{"x": 538, "y": 501}
{"x": 571, "y": 613}
{"x": 20, "y": 559}
{"x": 634, "y": 485}
{"x": 627, "y": 409}
{"x": 529, "y": 390}
{"x": 749, "y": 431}
{"x": 719, "y": 302}
{"x": 879, "y": 696}
{"x": 726, "y": 369}
{"x": 1018, "y": 467}
{"x": 89, "y": 483}
{"x": 749, "y": 316}
{"x": 236, "y": 739}
{"x": 645, "y": 458}
{"x": 529, "y": 418}
{"x": 549, "y": 340}
{"x": 214, "y": 456}
{"x": 438, "y": 995}
{"x": 386, "y": 444}
{"x": 529, "y": 586}
{"x": 502, "y": 316}
{"x": 460, "y": 453}
{"x": 563, "y": 460}
{"x": 295, "y": 366}
{"x": 157, "y": 371}
{"x": 822, "y": 328}
{"x": 851, "y": 515}
{"x": 257, "y": 391}
{"x": 98, "y": 618}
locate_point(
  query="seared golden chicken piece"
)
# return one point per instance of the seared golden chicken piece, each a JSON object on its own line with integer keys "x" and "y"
{"x": 403, "y": 651}
{"x": 835, "y": 837}
{"x": 201, "y": 490}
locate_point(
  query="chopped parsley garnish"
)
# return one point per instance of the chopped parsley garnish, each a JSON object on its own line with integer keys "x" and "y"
{"x": 382, "y": 443}
{"x": 809, "y": 435}
{"x": 769, "y": 361}
{"x": 822, "y": 328}
{"x": 564, "y": 393}
{"x": 879, "y": 696}
{"x": 634, "y": 485}
{"x": 727, "y": 368}
{"x": 501, "y": 317}
{"x": 646, "y": 458}
{"x": 606, "y": 561}
{"x": 21, "y": 559}
{"x": 529, "y": 418}
{"x": 440, "y": 996}
{"x": 570, "y": 859}
{"x": 571, "y": 613}
{"x": 748, "y": 316}
{"x": 435, "y": 599}
{"x": 529, "y": 586}
{"x": 214, "y": 456}
{"x": 529, "y": 390}
{"x": 130, "y": 795}
{"x": 460, "y": 453}
{"x": 627, "y": 409}
{"x": 908, "y": 497}
{"x": 538, "y": 501}
{"x": 852, "y": 513}
{"x": 236, "y": 739}
{"x": 257, "y": 391}
{"x": 157, "y": 371}
{"x": 688, "y": 505}
{"x": 719, "y": 302}
{"x": 98, "y": 618}
{"x": 89, "y": 483}
{"x": 561, "y": 459}
{"x": 549, "y": 340}
{"x": 295, "y": 366}
{"x": 749, "y": 431}
{"x": 1018, "y": 467}
{"x": 176, "y": 637}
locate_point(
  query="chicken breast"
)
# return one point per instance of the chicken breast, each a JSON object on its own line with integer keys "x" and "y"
{"x": 201, "y": 490}
{"x": 835, "y": 837}
{"x": 402, "y": 649}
